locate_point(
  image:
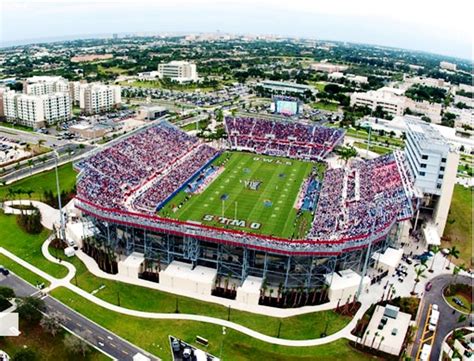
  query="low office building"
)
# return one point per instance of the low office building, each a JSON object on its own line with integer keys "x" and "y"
{"x": 41, "y": 85}
{"x": 36, "y": 111}
{"x": 387, "y": 329}
{"x": 180, "y": 71}
{"x": 447, "y": 65}
{"x": 89, "y": 131}
{"x": 282, "y": 87}
{"x": 99, "y": 98}
{"x": 151, "y": 112}
{"x": 389, "y": 99}
{"x": 329, "y": 67}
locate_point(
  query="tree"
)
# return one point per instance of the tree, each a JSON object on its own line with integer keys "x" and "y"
{"x": 77, "y": 345}
{"x": 435, "y": 250}
{"x": 419, "y": 272}
{"x": 30, "y": 308}
{"x": 346, "y": 153}
{"x": 453, "y": 252}
{"x": 25, "y": 354}
{"x": 52, "y": 323}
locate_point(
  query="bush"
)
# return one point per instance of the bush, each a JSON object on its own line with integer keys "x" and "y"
{"x": 25, "y": 355}
{"x": 30, "y": 223}
{"x": 7, "y": 292}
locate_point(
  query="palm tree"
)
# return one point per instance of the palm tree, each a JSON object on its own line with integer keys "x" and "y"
{"x": 435, "y": 250}
{"x": 381, "y": 340}
{"x": 453, "y": 252}
{"x": 419, "y": 271}
{"x": 373, "y": 340}
{"x": 346, "y": 153}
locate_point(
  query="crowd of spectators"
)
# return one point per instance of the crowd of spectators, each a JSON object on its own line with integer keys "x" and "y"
{"x": 351, "y": 200}
{"x": 165, "y": 186}
{"x": 110, "y": 176}
{"x": 288, "y": 139}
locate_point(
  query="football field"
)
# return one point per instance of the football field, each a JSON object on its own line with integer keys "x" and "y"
{"x": 253, "y": 193}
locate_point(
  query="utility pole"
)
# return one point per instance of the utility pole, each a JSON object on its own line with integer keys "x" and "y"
{"x": 62, "y": 232}
{"x": 367, "y": 256}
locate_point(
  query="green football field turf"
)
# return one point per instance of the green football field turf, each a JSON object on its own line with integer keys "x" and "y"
{"x": 271, "y": 205}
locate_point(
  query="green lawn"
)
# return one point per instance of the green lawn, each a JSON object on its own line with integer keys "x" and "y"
{"x": 374, "y": 148}
{"x": 144, "y": 299}
{"x": 41, "y": 182}
{"x": 44, "y": 345}
{"x": 458, "y": 231}
{"x": 323, "y": 105}
{"x": 22, "y": 272}
{"x": 271, "y": 205}
{"x": 463, "y": 299}
{"x": 152, "y": 335}
{"x": 27, "y": 246}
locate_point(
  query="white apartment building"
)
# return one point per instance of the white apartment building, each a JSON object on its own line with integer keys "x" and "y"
{"x": 98, "y": 98}
{"x": 432, "y": 82}
{"x": 36, "y": 111}
{"x": 41, "y": 85}
{"x": 447, "y": 65}
{"x": 434, "y": 166}
{"x": 180, "y": 71}
{"x": 431, "y": 110}
{"x": 388, "y": 99}
{"x": 329, "y": 67}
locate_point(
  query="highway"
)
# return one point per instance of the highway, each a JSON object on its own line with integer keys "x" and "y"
{"x": 99, "y": 337}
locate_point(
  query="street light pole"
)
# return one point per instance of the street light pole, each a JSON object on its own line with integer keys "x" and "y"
{"x": 222, "y": 342}
{"x": 62, "y": 233}
{"x": 366, "y": 262}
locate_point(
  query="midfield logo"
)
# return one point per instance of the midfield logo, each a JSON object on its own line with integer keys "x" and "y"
{"x": 231, "y": 222}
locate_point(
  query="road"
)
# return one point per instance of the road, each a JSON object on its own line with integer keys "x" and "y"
{"x": 101, "y": 338}
{"x": 448, "y": 319}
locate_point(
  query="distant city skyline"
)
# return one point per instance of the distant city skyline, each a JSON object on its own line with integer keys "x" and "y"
{"x": 414, "y": 25}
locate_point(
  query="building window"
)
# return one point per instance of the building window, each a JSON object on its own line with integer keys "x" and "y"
{"x": 438, "y": 186}
{"x": 423, "y": 165}
{"x": 443, "y": 160}
{"x": 441, "y": 169}
{"x": 441, "y": 176}
{"x": 422, "y": 173}
{"x": 424, "y": 157}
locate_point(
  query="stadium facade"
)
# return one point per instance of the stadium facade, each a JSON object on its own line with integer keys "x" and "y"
{"x": 115, "y": 215}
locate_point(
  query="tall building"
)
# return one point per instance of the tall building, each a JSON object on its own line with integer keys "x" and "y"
{"x": 433, "y": 166}
{"x": 180, "y": 71}
{"x": 328, "y": 67}
{"x": 41, "y": 85}
{"x": 36, "y": 111}
{"x": 99, "y": 98}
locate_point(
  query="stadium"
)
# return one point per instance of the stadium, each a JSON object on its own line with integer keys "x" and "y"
{"x": 266, "y": 206}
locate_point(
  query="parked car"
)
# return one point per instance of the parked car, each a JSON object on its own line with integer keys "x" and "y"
{"x": 428, "y": 286}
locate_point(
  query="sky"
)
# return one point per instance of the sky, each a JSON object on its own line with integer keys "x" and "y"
{"x": 429, "y": 25}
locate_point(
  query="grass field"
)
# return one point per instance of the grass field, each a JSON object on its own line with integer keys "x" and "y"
{"x": 152, "y": 335}
{"x": 458, "y": 231}
{"x": 374, "y": 148}
{"x": 45, "y": 346}
{"x": 27, "y": 246}
{"x": 309, "y": 325}
{"x": 271, "y": 205}
{"x": 41, "y": 182}
{"x": 323, "y": 105}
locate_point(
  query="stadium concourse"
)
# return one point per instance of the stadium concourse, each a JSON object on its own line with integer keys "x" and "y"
{"x": 120, "y": 190}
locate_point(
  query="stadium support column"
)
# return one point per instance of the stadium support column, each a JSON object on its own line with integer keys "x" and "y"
{"x": 287, "y": 273}
{"x": 367, "y": 256}
{"x": 245, "y": 264}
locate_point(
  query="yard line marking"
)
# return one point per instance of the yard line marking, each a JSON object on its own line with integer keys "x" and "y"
{"x": 113, "y": 345}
